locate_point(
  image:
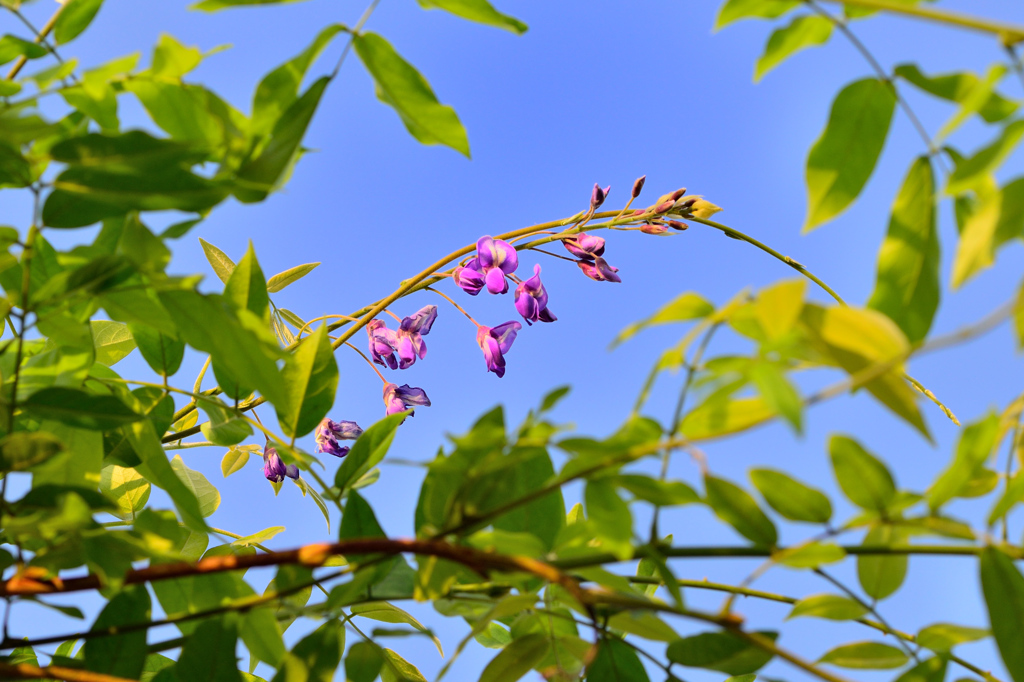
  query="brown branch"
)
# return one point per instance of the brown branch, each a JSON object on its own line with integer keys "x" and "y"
{"x": 23, "y": 671}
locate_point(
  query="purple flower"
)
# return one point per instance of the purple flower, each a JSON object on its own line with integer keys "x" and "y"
{"x": 599, "y": 270}
{"x": 494, "y": 259}
{"x": 329, "y": 432}
{"x": 274, "y": 469}
{"x": 598, "y": 195}
{"x": 585, "y": 246}
{"x": 532, "y": 300}
{"x": 401, "y": 398}
{"x": 495, "y": 343}
{"x": 382, "y": 343}
{"x": 409, "y": 342}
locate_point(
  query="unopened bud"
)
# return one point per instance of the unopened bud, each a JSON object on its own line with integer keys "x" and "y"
{"x": 640, "y": 211}
{"x": 664, "y": 206}
{"x": 678, "y": 193}
{"x": 638, "y": 185}
{"x": 598, "y": 196}
{"x": 676, "y": 225}
{"x": 704, "y": 209}
{"x": 653, "y": 228}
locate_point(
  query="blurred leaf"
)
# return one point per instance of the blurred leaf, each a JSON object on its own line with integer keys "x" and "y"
{"x": 616, "y": 661}
{"x": 388, "y": 613}
{"x": 315, "y": 657}
{"x": 976, "y": 443}
{"x": 173, "y": 60}
{"x": 844, "y": 157}
{"x": 907, "y": 285}
{"x": 289, "y": 276}
{"x": 979, "y": 95}
{"x": 400, "y": 85}
{"x": 778, "y": 392}
{"x": 718, "y": 417}
{"x": 810, "y": 555}
{"x": 214, "y": 5}
{"x": 829, "y": 606}
{"x": 120, "y": 655}
{"x": 734, "y": 10}
{"x": 80, "y": 409}
{"x": 956, "y": 87}
{"x": 802, "y": 33}
{"x": 881, "y": 575}
{"x": 126, "y": 487}
{"x": 942, "y": 637}
{"x": 397, "y": 669}
{"x": 480, "y": 11}
{"x": 985, "y": 162}
{"x": 206, "y": 494}
{"x": 209, "y": 654}
{"x": 363, "y": 662}
{"x": 311, "y": 380}
{"x": 1003, "y": 587}
{"x": 929, "y": 670}
{"x": 157, "y": 470}
{"x": 643, "y": 624}
{"x": 22, "y": 450}
{"x": 866, "y": 655}
{"x": 791, "y": 498}
{"x": 736, "y": 507}
{"x": 979, "y": 221}
{"x": 610, "y": 515}
{"x": 12, "y": 47}
{"x": 720, "y": 651}
{"x": 660, "y": 493}
{"x": 859, "y": 340}
{"x": 778, "y": 306}
{"x": 75, "y": 18}
{"x": 863, "y": 478}
{"x": 15, "y": 170}
{"x": 516, "y": 659}
{"x": 684, "y": 307}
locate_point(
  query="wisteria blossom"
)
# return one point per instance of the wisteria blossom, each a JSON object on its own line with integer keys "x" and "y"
{"x": 274, "y": 469}
{"x": 532, "y": 299}
{"x": 407, "y": 341}
{"x": 599, "y": 270}
{"x": 329, "y": 432}
{"x": 382, "y": 343}
{"x": 495, "y": 342}
{"x": 585, "y": 246}
{"x": 401, "y": 398}
{"x": 494, "y": 259}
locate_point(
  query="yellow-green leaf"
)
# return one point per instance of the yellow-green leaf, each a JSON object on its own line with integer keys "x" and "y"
{"x": 802, "y": 33}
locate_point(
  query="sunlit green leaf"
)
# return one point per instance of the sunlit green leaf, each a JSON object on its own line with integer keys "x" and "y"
{"x": 942, "y": 637}
{"x": 75, "y": 18}
{"x": 863, "y": 478}
{"x": 734, "y": 10}
{"x": 973, "y": 448}
{"x": 289, "y": 276}
{"x": 881, "y": 575}
{"x": 802, "y": 33}
{"x": 208, "y": 496}
{"x": 955, "y": 87}
{"x": 516, "y": 659}
{"x": 830, "y": 606}
{"x": 686, "y": 306}
{"x": 866, "y": 655}
{"x": 791, "y": 498}
{"x": 720, "y": 651}
{"x": 985, "y": 162}
{"x": 311, "y": 380}
{"x": 736, "y": 507}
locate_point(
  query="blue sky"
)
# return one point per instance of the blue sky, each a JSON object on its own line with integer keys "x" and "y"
{"x": 594, "y": 92}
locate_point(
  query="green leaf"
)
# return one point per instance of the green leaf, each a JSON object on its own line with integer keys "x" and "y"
{"x": 616, "y": 661}
{"x": 844, "y": 157}
{"x": 161, "y": 352}
{"x": 778, "y": 392}
{"x": 12, "y": 47}
{"x": 384, "y": 612}
{"x": 863, "y": 478}
{"x": 315, "y": 657}
{"x": 112, "y": 341}
{"x": 866, "y": 656}
{"x": 120, "y": 655}
{"x": 258, "y": 176}
{"x": 363, "y": 662}
{"x": 1003, "y": 587}
{"x": 173, "y": 60}
{"x": 684, "y": 307}
{"x": 734, "y": 10}
{"x": 397, "y": 669}
{"x": 929, "y": 670}
{"x": 214, "y": 5}
{"x": 221, "y": 263}
{"x": 975, "y": 169}
{"x": 236, "y": 458}
{"x": 660, "y": 493}
{"x": 209, "y": 654}
{"x": 736, "y": 507}
{"x": 359, "y": 521}
{"x": 956, "y": 87}
{"x": 829, "y": 606}
{"x": 907, "y": 284}
{"x": 866, "y": 342}
{"x": 942, "y": 637}
{"x": 880, "y": 576}
{"x": 367, "y": 452}
{"x": 289, "y": 276}
{"x": 246, "y": 286}
{"x": 479, "y": 11}
{"x": 973, "y": 449}
{"x": 778, "y": 307}
{"x": 516, "y": 659}
{"x": 720, "y": 651}
{"x": 22, "y": 450}
{"x": 157, "y": 470}
{"x": 206, "y": 494}
{"x": 718, "y": 417}
{"x": 80, "y": 409}
{"x": 979, "y": 222}
{"x": 610, "y": 515}
{"x": 810, "y": 555}
{"x": 802, "y": 33}
{"x": 791, "y": 498}
{"x": 400, "y": 85}
{"x": 15, "y": 170}
{"x": 126, "y": 487}
{"x": 75, "y": 18}
{"x": 973, "y": 101}
{"x": 311, "y": 380}
{"x": 643, "y": 624}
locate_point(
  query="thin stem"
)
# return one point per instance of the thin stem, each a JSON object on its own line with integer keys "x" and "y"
{"x": 189, "y": 446}
{"x": 353, "y": 34}
{"x": 306, "y": 326}
{"x": 368, "y": 361}
{"x": 40, "y": 37}
{"x": 1009, "y": 34}
{"x": 457, "y": 306}
{"x": 554, "y": 255}
{"x": 1015, "y": 62}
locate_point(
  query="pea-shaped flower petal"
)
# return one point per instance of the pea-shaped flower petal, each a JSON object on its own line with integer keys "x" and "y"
{"x": 495, "y": 342}
{"x": 532, "y": 299}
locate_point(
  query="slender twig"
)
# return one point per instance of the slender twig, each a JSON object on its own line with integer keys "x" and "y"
{"x": 457, "y": 306}
{"x": 353, "y": 34}
{"x": 24, "y": 671}
{"x": 20, "y": 62}
{"x": 368, "y": 361}
{"x": 1010, "y": 34}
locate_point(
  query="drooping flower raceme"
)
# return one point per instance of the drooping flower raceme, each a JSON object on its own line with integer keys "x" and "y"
{"x": 274, "y": 469}
{"x": 401, "y": 398}
{"x": 409, "y": 342}
{"x": 495, "y": 342}
{"x": 532, "y": 299}
{"x": 329, "y": 432}
{"x": 494, "y": 259}
{"x": 382, "y": 343}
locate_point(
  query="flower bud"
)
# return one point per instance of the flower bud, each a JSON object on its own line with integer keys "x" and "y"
{"x": 638, "y": 185}
{"x": 664, "y": 206}
{"x": 703, "y": 209}
{"x": 678, "y": 193}
{"x": 652, "y": 228}
{"x": 598, "y": 195}
{"x": 676, "y": 225}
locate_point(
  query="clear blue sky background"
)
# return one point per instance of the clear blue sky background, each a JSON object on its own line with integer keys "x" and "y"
{"x": 594, "y": 92}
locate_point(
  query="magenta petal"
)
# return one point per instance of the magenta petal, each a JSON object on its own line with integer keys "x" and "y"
{"x": 496, "y": 283}
{"x": 485, "y": 252}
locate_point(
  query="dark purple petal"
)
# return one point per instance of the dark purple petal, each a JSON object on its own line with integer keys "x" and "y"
{"x": 382, "y": 343}
{"x": 413, "y": 396}
{"x": 547, "y": 316}
{"x": 598, "y": 195}
{"x": 420, "y": 321}
{"x": 527, "y": 305}
{"x": 292, "y": 472}
{"x": 273, "y": 468}
{"x": 468, "y": 279}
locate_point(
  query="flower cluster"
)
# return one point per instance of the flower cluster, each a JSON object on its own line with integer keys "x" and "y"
{"x": 329, "y": 432}
{"x": 407, "y": 341}
{"x": 274, "y": 469}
